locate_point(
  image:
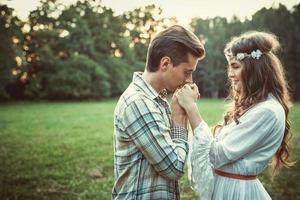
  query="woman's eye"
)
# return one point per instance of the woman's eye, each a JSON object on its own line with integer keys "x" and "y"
{"x": 235, "y": 66}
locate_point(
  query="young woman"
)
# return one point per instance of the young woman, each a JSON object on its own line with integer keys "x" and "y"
{"x": 255, "y": 130}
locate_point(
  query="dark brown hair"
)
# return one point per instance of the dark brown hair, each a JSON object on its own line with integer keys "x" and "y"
{"x": 260, "y": 77}
{"x": 175, "y": 42}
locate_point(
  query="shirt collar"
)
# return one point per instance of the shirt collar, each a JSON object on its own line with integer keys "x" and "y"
{"x": 144, "y": 86}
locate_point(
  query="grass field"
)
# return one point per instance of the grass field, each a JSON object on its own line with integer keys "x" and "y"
{"x": 64, "y": 151}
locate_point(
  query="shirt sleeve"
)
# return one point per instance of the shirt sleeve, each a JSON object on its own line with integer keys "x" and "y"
{"x": 164, "y": 147}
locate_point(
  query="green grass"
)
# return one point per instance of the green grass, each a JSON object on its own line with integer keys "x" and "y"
{"x": 64, "y": 151}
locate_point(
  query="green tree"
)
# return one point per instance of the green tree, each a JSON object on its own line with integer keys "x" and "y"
{"x": 11, "y": 38}
{"x": 141, "y": 25}
{"x": 120, "y": 74}
{"x": 68, "y": 51}
{"x": 284, "y": 27}
{"x": 211, "y": 76}
{"x": 79, "y": 77}
{"x": 295, "y": 53}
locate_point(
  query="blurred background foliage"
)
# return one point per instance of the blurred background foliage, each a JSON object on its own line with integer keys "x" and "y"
{"x": 86, "y": 51}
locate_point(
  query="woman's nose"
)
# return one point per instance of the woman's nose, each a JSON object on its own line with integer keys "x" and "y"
{"x": 230, "y": 73}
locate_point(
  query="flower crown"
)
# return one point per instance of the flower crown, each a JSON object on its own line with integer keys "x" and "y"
{"x": 240, "y": 56}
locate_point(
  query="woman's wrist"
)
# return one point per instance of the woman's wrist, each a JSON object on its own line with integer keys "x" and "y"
{"x": 191, "y": 107}
{"x": 193, "y": 115}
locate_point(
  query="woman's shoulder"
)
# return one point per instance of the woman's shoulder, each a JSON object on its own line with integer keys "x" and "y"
{"x": 271, "y": 106}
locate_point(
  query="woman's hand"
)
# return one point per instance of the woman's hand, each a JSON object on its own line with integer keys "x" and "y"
{"x": 187, "y": 98}
{"x": 187, "y": 95}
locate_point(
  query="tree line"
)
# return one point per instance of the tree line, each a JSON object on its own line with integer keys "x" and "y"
{"x": 86, "y": 51}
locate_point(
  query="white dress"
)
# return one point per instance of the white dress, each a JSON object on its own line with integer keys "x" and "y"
{"x": 245, "y": 148}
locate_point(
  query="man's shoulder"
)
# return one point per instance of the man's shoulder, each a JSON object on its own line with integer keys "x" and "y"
{"x": 133, "y": 95}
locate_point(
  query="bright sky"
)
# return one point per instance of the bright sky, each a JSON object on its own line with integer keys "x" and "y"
{"x": 183, "y": 10}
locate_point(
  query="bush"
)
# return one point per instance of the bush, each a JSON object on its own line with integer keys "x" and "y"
{"x": 77, "y": 77}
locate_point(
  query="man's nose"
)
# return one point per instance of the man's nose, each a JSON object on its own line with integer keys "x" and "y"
{"x": 189, "y": 79}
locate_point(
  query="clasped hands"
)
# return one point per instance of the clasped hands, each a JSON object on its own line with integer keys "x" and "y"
{"x": 182, "y": 99}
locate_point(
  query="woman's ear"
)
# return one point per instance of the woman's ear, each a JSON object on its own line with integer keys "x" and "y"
{"x": 165, "y": 63}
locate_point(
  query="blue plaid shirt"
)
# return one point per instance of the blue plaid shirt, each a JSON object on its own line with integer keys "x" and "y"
{"x": 149, "y": 155}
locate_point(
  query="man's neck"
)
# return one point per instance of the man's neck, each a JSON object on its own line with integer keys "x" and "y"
{"x": 154, "y": 80}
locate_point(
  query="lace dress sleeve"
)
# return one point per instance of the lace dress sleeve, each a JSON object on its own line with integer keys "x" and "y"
{"x": 200, "y": 168}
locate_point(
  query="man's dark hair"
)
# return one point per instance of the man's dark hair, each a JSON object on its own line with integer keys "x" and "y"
{"x": 175, "y": 42}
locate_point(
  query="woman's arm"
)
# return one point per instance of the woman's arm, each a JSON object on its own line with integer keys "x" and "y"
{"x": 193, "y": 115}
{"x": 201, "y": 175}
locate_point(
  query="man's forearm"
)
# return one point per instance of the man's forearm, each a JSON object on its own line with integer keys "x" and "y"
{"x": 179, "y": 121}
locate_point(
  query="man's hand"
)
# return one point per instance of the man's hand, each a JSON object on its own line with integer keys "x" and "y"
{"x": 178, "y": 116}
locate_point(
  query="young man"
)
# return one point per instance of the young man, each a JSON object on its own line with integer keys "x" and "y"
{"x": 150, "y": 143}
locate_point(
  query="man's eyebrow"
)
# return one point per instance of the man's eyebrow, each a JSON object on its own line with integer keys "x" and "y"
{"x": 189, "y": 70}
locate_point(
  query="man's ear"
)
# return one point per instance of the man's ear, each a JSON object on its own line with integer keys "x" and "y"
{"x": 165, "y": 63}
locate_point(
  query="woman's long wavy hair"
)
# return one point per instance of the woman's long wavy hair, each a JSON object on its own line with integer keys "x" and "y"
{"x": 260, "y": 77}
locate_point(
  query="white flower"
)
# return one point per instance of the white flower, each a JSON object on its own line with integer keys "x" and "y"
{"x": 240, "y": 56}
{"x": 256, "y": 54}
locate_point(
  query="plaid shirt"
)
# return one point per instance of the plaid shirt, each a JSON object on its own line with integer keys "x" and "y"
{"x": 149, "y": 155}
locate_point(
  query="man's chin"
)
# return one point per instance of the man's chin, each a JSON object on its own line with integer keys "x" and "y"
{"x": 172, "y": 90}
